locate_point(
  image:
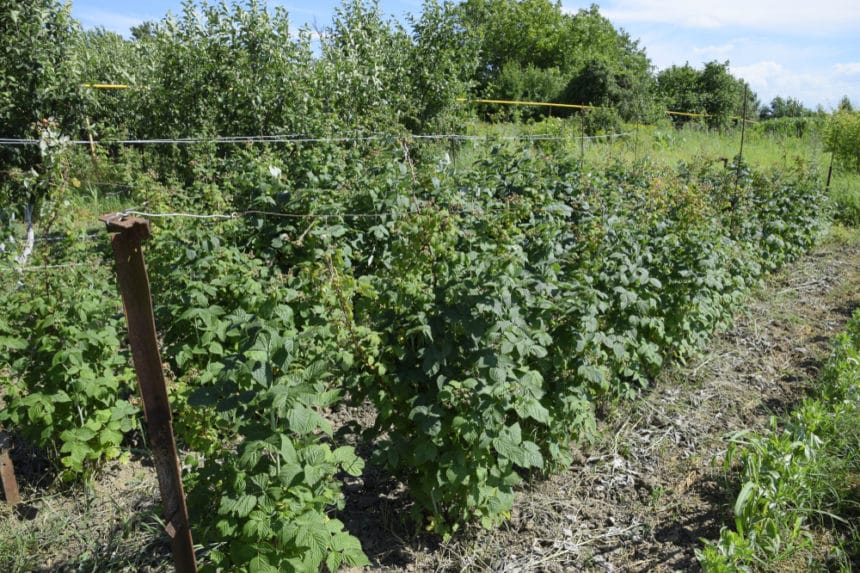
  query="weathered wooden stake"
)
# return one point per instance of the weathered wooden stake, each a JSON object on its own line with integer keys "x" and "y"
{"x": 582, "y": 136}
{"x": 92, "y": 143}
{"x": 743, "y": 134}
{"x": 7, "y": 472}
{"x": 137, "y": 302}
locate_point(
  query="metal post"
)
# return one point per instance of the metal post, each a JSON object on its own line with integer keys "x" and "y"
{"x": 137, "y": 303}
{"x": 829, "y": 174}
{"x": 7, "y": 471}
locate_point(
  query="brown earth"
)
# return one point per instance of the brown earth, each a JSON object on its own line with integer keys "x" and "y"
{"x": 639, "y": 499}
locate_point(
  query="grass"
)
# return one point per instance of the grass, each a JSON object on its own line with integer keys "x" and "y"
{"x": 798, "y": 507}
{"x": 77, "y": 529}
{"x": 845, "y": 193}
{"x": 664, "y": 144}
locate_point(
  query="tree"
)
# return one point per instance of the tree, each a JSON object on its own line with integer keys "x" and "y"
{"x": 712, "y": 91}
{"x": 845, "y": 104}
{"x": 535, "y": 47}
{"x": 364, "y": 67}
{"x": 101, "y": 56}
{"x": 719, "y": 92}
{"x": 780, "y": 107}
{"x": 36, "y": 79}
{"x": 524, "y": 31}
{"x": 842, "y": 138}
{"x": 678, "y": 87}
{"x": 442, "y": 65}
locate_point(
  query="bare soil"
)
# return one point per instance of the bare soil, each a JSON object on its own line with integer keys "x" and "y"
{"x": 638, "y": 499}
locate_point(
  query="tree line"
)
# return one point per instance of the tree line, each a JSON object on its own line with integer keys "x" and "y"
{"x": 244, "y": 69}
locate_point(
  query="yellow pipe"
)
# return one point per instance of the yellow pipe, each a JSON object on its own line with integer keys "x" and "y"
{"x": 107, "y": 86}
{"x": 512, "y": 102}
{"x": 577, "y": 106}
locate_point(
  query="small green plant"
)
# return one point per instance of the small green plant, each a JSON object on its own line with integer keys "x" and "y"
{"x": 798, "y": 479}
{"x": 72, "y": 376}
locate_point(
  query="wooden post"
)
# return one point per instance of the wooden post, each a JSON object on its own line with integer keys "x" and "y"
{"x": 92, "y": 143}
{"x": 743, "y": 134}
{"x": 582, "y": 136}
{"x": 137, "y": 303}
{"x": 7, "y": 472}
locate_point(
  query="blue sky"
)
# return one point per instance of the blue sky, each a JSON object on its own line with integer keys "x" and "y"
{"x": 809, "y": 50}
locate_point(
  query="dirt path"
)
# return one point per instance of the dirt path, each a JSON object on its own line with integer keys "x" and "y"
{"x": 641, "y": 498}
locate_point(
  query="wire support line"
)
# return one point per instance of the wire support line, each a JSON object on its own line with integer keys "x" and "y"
{"x": 309, "y": 139}
{"x": 251, "y": 212}
{"x": 10, "y": 268}
{"x": 414, "y": 210}
{"x": 91, "y": 236}
{"x": 201, "y": 140}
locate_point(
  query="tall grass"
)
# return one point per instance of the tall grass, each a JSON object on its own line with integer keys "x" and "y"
{"x": 664, "y": 143}
{"x": 845, "y": 195}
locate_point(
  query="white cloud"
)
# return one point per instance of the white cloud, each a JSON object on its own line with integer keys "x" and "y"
{"x": 770, "y": 79}
{"x": 719, "y": 52}
{"x": 847, "y": 69}
{"x": 812, "y": 18}
{"x": 764, "y": 76}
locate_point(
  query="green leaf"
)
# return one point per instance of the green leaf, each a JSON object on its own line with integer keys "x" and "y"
{"x": 344, "y": 542}
{"x": 11, "y": 343}
{"x": 498, "y": 375}
{"x": 334, "y": 561}
{"x": 288, "y": 450}
{"x": 313, "y": 535}
{"x": 110, "y": 437}
{"x": 531, "y": 456}
{"x": 532, "y": 408}
{"x": 240, "y": 507}
{"x": 509, "y": 445}
{"x": 303, "y": 420}
{"x": 345, "y": 457}
{"x": 260, "y": 564}
{"x": 425, "y": 452}
{"x": 744, "y": 497}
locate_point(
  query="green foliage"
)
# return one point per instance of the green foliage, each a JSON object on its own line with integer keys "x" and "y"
{"x": 441, "y": 68}
{"x": 526, "y": 32}
{"x": 99, "y": 56}
{"x": 678, "y": 86}
{"x": 845, "y": 196}
{"x": 526, "y": 84}
{"x": 800, "y": 478}
{"x": 35, "y": 37}
{"x": 780, "y": 108}
{"x": 482, "y": 310}
{"x": 718, "y": 89}
{"x": 71, "y": 384}
{"x": 364, "y": 67}
{"x": 785, "y": 127}
{"x": 713, "y": 91}
{"x": 842, "y": 138}
{"x": 257, "y": 367}
{"x": 533, "y": 49}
